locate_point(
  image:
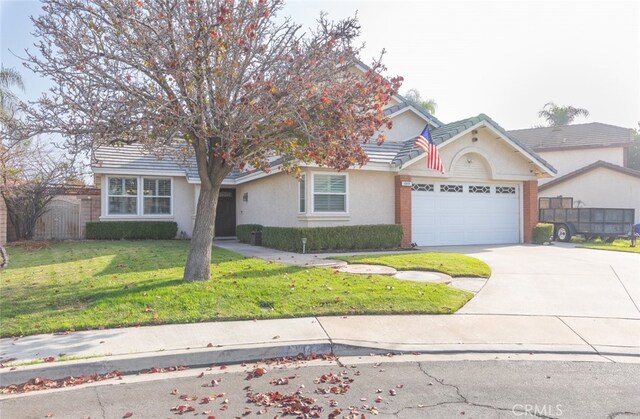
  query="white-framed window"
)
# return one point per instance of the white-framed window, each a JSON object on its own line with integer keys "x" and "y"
{"x": 302, "y": 192}
{"x": 122, "y": 195}
{"x": 139, "y": 196}
{"x": 329, "y": 193}
{"x": 157, "y": 196}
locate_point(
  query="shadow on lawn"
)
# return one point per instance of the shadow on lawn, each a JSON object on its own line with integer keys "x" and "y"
{"x": 164, "y": 253}
{"x": 58, "y": 298}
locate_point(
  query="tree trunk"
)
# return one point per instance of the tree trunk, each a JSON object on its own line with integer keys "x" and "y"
{"x": 198, "y": 267}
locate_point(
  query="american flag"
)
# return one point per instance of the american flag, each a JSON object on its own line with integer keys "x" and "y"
{"x": 425, "y": 142}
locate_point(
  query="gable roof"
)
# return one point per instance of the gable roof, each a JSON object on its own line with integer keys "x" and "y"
{"x": 446, "y": 132}
{"x": 134, "y": 159}
{"x": 594, "y": 134}
{"x": 415, "y": 107}
{"x": 586, "y": 169}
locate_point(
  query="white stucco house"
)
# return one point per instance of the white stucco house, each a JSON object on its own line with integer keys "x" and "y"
{"x": 487, "y": 194}
{"x": 591, "y": 161}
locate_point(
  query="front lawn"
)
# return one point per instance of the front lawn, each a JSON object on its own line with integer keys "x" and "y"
{"x": 620, "y": 245}
{"x": 100, "y": 284}
{"x": 452, "y": 264}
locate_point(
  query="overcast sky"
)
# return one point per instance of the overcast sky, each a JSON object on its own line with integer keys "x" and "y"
{"x": 502, "y": 58}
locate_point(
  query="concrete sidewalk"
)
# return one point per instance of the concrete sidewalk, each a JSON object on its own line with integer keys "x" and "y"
{"x": 139, "y": 348}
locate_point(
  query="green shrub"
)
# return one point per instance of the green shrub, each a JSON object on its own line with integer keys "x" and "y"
{"x": 542, "y": 233}
{"x": 243, "y": 231}
{"x": 379, "y": 236}
{"x": 132, "y": 230}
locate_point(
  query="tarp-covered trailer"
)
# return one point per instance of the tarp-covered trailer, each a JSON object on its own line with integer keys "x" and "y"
{"x": 606, "y": 223}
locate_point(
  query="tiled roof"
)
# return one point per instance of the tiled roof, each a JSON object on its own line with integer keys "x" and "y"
{"x": 594, "y": 134}
{"x": 585, "y": 169}
{"x": 135, "y": 158}
{"x": 405, "y": 103}
{"x": 448, "y": 131}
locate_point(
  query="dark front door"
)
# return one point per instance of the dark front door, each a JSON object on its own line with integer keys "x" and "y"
{"x": 226, "y": 213}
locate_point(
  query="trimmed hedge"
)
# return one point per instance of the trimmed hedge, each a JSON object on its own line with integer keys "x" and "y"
{"x": 132, "y": 230}
{"x": 243, "y": 231}
{"x": 542, "y": 233}
{"x": 362, "y": 237}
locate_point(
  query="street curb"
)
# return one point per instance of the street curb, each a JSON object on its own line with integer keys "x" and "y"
{"x": 135, "y": 363}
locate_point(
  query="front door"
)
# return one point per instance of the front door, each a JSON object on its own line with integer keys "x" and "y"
{"x": 226, "y": 213}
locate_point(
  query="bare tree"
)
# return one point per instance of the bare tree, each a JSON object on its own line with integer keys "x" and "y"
{"x": 223, "y": 80}
{"x": 31, "y": 175}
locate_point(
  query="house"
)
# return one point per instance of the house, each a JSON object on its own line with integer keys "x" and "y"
{"x": 591, "y": 160}
{"x": 486, "y": 195}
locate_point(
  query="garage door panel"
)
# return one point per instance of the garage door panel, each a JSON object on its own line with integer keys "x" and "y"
{"x": 454, "y": 218}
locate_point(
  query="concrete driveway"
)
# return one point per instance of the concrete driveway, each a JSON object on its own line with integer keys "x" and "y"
{"x": 558, "y": 280}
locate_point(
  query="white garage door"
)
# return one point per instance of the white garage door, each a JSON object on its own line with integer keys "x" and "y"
{"x": 456, "y": 213}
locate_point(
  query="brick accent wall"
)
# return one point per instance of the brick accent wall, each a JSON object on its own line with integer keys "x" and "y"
{"x": 89, "y": 212}
{"x": 3, "y": 222}
{"x": 403, "y": 208}
{"x": 530, "y": 208}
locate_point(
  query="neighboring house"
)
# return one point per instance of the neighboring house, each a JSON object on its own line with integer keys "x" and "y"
{"x": 487, "y": 195}
{"x": 591, "y": 160}
{"x": 598, "y": 185}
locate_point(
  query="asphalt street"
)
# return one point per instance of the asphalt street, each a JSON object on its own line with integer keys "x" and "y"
{"x": 385, "y": 387}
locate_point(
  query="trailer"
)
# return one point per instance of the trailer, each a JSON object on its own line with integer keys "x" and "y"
{"x": 606, "y": 223}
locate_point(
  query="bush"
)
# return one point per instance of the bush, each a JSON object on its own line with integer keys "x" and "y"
{"x": 243, "y": 231}
{"x": 362, "y": 237}
{"x": 542, "y": 233}
{"x": 132, "y": 230}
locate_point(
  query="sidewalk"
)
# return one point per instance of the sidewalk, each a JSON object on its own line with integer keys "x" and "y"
{"x": 462, "y": 336}
{"x": 139, "y": 348}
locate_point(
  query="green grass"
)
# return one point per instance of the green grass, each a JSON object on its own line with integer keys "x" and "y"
{"x": 452, "y": 264}
{"x": 103, "y": 284}
{"x": 620, "y": 245}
